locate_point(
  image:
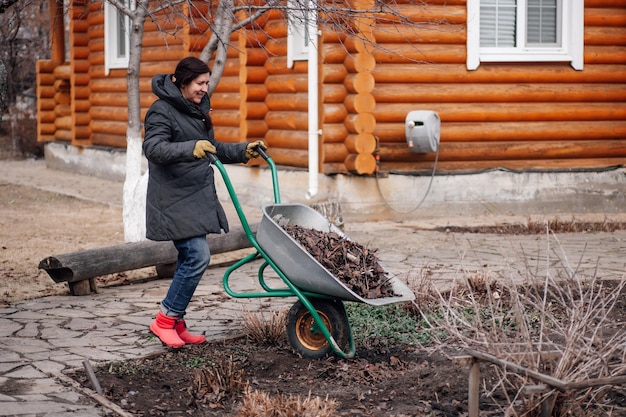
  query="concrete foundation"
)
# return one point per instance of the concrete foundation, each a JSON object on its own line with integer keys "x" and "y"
{"x": 400, "y": 197}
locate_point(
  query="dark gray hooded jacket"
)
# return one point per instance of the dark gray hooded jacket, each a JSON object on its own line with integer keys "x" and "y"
{"x": 182, "y": 201}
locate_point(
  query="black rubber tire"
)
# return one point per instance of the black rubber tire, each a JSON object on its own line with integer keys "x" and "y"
{"x": 303, "y": 337}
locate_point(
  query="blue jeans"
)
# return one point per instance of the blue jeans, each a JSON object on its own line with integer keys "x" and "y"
{"x": 193, "y": 259}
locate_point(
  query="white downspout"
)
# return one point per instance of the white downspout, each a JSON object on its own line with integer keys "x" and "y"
{"x": 314, "y": 132}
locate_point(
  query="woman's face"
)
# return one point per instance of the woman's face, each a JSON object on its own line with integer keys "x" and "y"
{"x": 197, "y": 88}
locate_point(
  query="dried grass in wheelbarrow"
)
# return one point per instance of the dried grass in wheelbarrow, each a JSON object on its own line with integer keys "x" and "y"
{"x": 353, "y": 264}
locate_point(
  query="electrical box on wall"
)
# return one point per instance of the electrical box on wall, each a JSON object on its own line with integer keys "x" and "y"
{"x": 422, "y": 131}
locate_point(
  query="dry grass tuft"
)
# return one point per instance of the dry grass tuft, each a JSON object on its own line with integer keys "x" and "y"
{"x": 260, "y": 404}
{"x": 268, "y": 328}
{"x": 222, "y": 380}
{"x": 563, "y": 313}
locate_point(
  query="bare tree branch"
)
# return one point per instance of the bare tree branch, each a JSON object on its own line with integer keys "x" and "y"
{"x": 5, "y": 4}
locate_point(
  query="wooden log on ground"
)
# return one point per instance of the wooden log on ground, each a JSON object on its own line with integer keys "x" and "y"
{"x": 79, "y": 269}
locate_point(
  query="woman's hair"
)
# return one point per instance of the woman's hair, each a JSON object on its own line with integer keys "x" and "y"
{"x": 188, "y": 69}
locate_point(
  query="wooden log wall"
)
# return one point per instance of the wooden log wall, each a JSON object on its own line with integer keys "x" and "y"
{"x": 286, "y": 98}
{"x": 164, "y": 44}
{"x": 516, "y": 116}
{"x": 252, "y": 78}
{"x": 79, "y": 73}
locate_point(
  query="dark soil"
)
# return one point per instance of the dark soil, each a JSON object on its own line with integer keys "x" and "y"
{"x": 397, "y": 380}
{"x": 401, "y": 381}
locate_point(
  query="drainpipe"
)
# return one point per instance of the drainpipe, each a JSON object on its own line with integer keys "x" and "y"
{"x": 314, "y": 132}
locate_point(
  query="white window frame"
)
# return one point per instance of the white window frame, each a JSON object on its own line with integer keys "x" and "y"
{"x": 298, "y": 26}
{"x": 113, "y": 35}
{"x": 572, "y": 39}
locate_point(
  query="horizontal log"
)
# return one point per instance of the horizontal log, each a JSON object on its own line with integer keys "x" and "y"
{"x": 118, "y": 100}
{"x": 64, "y": 122}
{"x": 46, "y": 91}
{"x": 254, "y": 129}
{"x": 605, "y": 17}
{"x": 423, "y": 33}
{"x": 605, "y": 36}
{"x": 78, "y": 266}
{"x": 255, "y": 75}
{"x": 109, "y": 126}
{"x": 604, "y": 55}
{"x": 62, "y": 71}
{"x": 290, "y": 157}
{"x": 527, "y": 74}
{"x": 287, "y": 83}
{"x": 420, "y": 12}
{"x": 483, "y": 151}
{"x": 225, "y": 100}
{"x": 287, "y": 102}
{"x": 287, "y": 139}
{"x": 333, "y": 73}
{"x": 465, "y": 93}
{"x": 227, "y": 133}
{"x": 285, "y": 120}
{"x": 63, "y": 135}
{"x": 334, "y": 133}
{"x": 420, "y": 53}
{"x": 335, "y": 153}
{"x": 45, "y": 79}
{"x": 504, "y": 112}
{"x": 526, "y": 165}
{"x": 118, "y": 114}
{"x": 256, "y": 92}
{"x": 333, "y": 93}
{"x": 255, "y": 110}
{"x": 514, "y": 131}
{"x": 225, "y": 117}
{"x": 228, "y": 84}
{"x": 80, "y": 53}
{"x": 334, "y": 113}
{"x": 334, "y": 53}
{"x": 46, "y": 104}
{"x": 110, "y": 140}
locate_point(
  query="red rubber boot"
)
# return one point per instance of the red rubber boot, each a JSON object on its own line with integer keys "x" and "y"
{"x": 165, "y": 328}
{"x": 186, "y": 336}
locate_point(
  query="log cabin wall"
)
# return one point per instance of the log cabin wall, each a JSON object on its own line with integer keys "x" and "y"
{"x": 516, "y": 116}
{"x": 286, "y": 98}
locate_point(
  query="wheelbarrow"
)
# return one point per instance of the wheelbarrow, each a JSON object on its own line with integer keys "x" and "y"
{"x": 317, "y": 324}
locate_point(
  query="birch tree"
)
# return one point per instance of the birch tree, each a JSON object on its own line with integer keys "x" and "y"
{"x": 223, "y": 19}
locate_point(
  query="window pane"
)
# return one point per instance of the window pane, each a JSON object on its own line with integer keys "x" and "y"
{"x": 542, "y": 22}
{"x": 497, "y": 23}
{"x": 121, "y": 35}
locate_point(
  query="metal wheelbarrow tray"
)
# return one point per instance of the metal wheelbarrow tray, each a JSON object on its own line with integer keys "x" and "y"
{"x": 317, "y": 324}
{"x": 300, "y": 266}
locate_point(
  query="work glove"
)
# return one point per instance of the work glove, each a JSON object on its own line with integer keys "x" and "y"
{"x": 202, "y": 147}
{"x": 251, "y": 152}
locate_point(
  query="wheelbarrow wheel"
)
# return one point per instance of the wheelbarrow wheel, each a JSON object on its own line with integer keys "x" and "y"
{"x": 306, "y": 337}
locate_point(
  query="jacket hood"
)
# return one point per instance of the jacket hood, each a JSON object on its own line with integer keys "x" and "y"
{"x": 165, "y": 89}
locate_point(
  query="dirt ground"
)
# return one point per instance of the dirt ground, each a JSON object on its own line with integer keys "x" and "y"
{"x": 36, "y": 224}
{"x": 397, "y": 381}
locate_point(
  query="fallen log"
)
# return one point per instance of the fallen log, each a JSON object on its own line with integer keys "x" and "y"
{"x": 79, "y": 269}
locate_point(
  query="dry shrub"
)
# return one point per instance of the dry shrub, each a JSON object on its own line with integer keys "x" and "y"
{"x": 260, "y": 404}
{"x": 569, "y": 316}
{"x": 222, "y": 380}
{"x": 265, "y": 328}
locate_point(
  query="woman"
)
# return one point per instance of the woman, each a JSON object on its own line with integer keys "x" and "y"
{"x": 182, "y": 204}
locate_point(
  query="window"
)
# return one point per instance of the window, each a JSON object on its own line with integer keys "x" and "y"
{"x": 116, "y": 38}
{"x": 298, "y": 26}
{"x": 525, "y": 31}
